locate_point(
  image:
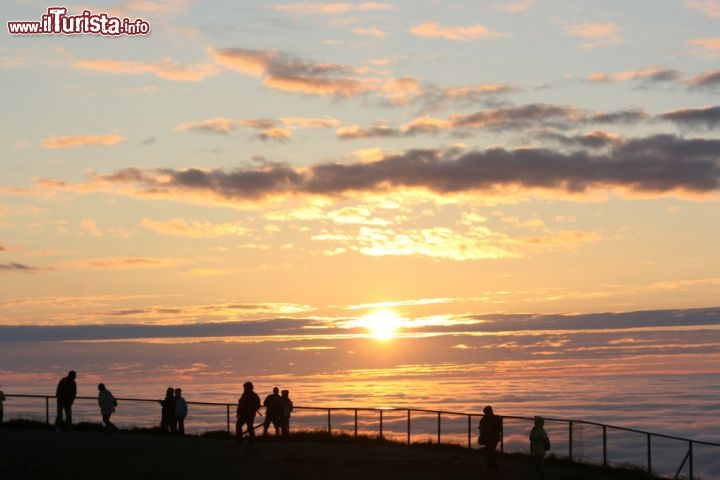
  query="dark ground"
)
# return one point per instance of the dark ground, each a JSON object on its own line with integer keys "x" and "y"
{"x": 49, "y": 455}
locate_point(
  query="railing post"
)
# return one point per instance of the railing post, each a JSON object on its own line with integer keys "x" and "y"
{"x": 227, "y": 407}
{"x": 604, "y": 445}
{"x": 439, "y": 428}
{"x": 408, "y": 428}
{"x": 469, "y": 432}
{"x": 570, "y": 440}
{"x": 356, "y": 423}
{"x": 691, "y": 459}
{"x": 682, "y": 464}
{"x": 329, "y": 423}
{"x": 47, "y": 410}
{"x": 381, "y": 425}
{"x": 649, "y": 454}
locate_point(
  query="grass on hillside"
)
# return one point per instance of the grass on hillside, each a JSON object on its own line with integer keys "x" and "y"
{"x": 574, "y": 469}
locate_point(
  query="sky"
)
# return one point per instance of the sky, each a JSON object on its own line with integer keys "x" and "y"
{"x": 317, "y": 170}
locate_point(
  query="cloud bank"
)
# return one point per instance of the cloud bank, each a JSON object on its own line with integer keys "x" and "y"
{"x": 654, "y": 165}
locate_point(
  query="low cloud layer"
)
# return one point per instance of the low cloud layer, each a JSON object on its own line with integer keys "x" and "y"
{"x": 503, "y": 324}
{"x": 655, "y": 165}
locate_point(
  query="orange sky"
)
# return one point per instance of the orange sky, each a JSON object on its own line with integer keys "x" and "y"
{"x": 318, "y": 159}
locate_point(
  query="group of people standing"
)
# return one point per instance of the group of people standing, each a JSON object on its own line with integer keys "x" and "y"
{"x": 174, "y": 411}
{"x": 278, "y": 407}
{"x": 65, "y": 394}
{"x": 277, "y": 412}
{"x": 491, "y": 428}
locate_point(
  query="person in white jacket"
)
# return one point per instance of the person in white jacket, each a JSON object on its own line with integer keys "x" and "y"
{"x": 181, "y": 411}
{"x": 107, "y": 403}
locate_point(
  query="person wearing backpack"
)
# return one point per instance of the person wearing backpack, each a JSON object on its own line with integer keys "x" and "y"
{"x": 490, "y": 434}
{"x": 539, "y": 444}
{"x": 107, "y": 404}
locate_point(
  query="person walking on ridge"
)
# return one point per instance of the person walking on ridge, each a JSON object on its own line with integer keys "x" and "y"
{"x": 181, "y": 411}
{"x": 248, "y": 405}
{"x": 539, "y": 444}
{"x": 272, "y": 411}
{"x": 490, "y": 434}
{"x": 65, "y": 394}
{"x": 107, "y": 403}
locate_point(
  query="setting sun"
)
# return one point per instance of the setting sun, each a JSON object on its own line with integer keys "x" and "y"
{"x": 382, "y": 324}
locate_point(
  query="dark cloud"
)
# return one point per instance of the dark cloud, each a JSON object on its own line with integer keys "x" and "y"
{"x": 19, "y": 267}
{"x": 285, "y": 72}
{"x": 119, "y": 331}
{"x": 514, "y": 118}
{"x": 594, "y": 140}
{"x": 623, "y": 117}
{"x": 646, "y": 77}
{"x": 538, "y": 114}
{"x": 656, "y": 164}
{"x": 434, "y": 98}
{"x": 599, "y": 321}
{"x": 283, "y": 326}
{"x": 694, "y": 117}
{"x": 235, "y": 184}
{"x": 710, "y": 80}
{"x": 517, "y": 117}
{"x": 665, "y": 75}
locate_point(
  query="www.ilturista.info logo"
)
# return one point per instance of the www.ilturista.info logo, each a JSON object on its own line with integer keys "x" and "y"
{"x": 58, "y": 22}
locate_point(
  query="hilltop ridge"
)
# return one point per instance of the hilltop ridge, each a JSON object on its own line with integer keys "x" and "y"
{"x": 29, "y": 454}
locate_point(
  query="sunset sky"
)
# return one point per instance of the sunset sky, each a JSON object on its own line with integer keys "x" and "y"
{"x": 430, "y": 160}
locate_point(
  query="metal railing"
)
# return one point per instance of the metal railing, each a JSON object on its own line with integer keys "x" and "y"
{"x": 576, "y": 440}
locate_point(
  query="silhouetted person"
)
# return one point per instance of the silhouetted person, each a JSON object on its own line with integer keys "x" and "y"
{"x": 107, "y": 404}
{"x": 248, "y": 405}
{"x": 539, "y": 444}
{"x": 167, "y": 418}
{"x": 286, "y": 406}
{"x": 65, "y": 395}
{"x": 181, "y": 411}
{"x": 490, "y": 432}
{"x": 2, "y": 399}
{"x": 272, "y": 411}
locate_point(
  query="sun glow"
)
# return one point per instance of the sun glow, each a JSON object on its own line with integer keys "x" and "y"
{"x": 382, "y": 324}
